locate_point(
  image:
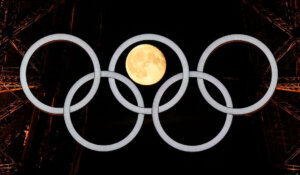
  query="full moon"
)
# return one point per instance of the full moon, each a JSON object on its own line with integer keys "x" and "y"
{"x": 145, "y": 64}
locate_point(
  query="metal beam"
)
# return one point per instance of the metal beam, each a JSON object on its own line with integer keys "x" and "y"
{"x": 271, "y": 17}
{"x": 7, "y": 164}
{"x": 21, "y": 48}
{"x": 283, "y": 50}
{"x": 293, "y": 12}
{"x": 295, "y": 152}
{"x": 11, "y": 86}
{"x": 10, "y": 80}
{"x": 12, "y": 107}
{"x": 291, "y": 87}
{"x": 291, "y": 84}
{"x": 29, "y": 20}
{"x": 289, "y": 108}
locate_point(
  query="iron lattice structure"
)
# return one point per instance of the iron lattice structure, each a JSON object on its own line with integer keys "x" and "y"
{"x": 277, "y": 23}
{"x": 15, "y": 18}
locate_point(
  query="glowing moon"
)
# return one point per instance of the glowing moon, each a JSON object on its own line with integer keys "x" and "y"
{"x": 145, "y": 64}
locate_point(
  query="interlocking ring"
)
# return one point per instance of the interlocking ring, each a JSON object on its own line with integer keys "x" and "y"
{"x": 238, "y": 38}
{"x": 169, "y": 140}
{"x": 156, "y": 109}
{"x": 149, "y": 37}
{"x": 88, "y": 144}
{"x": 59, "y": 38}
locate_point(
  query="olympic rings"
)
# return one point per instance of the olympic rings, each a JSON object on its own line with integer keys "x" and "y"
{"x": 139, "y": 108}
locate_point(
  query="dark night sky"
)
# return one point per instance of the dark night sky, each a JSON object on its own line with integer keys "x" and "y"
{"x": 193, "y": 26}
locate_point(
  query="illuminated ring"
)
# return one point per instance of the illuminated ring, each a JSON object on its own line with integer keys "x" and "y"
{"x": 149, "y": 37}
{"x": 169, "y": 140}
{"x": 238, "y": 38}
{"x": 88, "y": 144}
{"x": 58, "y": 38}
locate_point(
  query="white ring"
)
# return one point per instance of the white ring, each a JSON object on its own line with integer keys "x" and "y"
{"x": 139, "y": 108}
{"x": 88, "y": 144}
{"x": 149, "y": 37}
{"x": 238, "y": 38}
{"x": 169, "y": 140}
{"x": 55, "y": 38}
